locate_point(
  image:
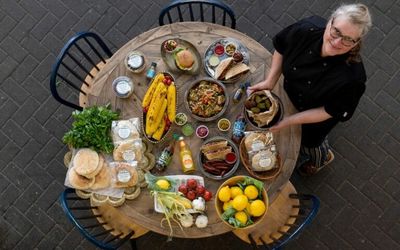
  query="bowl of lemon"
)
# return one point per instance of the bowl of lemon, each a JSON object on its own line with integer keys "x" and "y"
{"x": 241, "y": 202}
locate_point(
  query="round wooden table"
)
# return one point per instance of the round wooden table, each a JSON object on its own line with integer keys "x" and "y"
{"x": 201, "y": 35}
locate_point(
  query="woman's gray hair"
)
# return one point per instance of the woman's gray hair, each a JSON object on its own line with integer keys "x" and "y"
{"x": 357, "y": 14}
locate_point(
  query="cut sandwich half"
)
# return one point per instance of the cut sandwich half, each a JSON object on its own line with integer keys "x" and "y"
{"x": 218, "y": 154}
{"x": 222, "y": 68}
{"x": 215, "y": 145}
{"x": 236, "y": 70}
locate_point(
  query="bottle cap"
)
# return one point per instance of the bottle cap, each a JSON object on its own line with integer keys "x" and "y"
{"x": 154, "y": 64}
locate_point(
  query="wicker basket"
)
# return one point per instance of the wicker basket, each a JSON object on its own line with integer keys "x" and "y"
{"x": 264, "y": 175}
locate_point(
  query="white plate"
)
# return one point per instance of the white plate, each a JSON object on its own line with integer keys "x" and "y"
{"x": 179, "y": 179}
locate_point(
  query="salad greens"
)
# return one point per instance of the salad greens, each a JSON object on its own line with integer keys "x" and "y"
{"x": 91, "y": 129}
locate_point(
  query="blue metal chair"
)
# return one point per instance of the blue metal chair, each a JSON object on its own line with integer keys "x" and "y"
{"x": 78, "y": 62}
{"x": 81, "y": 213}
{"x": 308, "y": 209}
{"x": 286, "y": 218}
{"x": 192, "y": 10}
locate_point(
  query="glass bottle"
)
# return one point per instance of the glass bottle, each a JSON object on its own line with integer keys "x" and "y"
{"x": 238, "y": 129}
{"x": 151, "y": 71}
{"x": 165, "y": 157}
{"x": 186, "y": 157}
{"x": 240, "y": 91}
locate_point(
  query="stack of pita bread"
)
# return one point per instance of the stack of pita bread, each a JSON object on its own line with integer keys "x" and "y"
{"x": 89, "y": 170}
{"x": 228, "y": 69}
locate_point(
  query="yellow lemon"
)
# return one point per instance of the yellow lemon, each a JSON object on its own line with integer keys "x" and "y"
{"x": 235, "y": 191}
{"x": 240, "y": 202}
{"x": 241, "y": 216}
{"x": 247, "y": 210}
{"x": 251, "y": 192}
{"x": 226, "y": 205}
{"x": 224, "y": 194}
{"x": 163, "y": 184}
{"x": 257, "y": 208}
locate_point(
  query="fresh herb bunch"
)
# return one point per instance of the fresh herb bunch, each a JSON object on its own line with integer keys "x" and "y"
{"x": 91, "y": 129}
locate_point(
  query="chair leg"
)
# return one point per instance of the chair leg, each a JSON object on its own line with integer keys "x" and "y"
{"x": 133, "y": 244}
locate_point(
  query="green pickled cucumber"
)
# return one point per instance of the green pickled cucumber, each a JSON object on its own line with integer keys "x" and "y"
{"x": 255, "y": 110}
{"x": 261, "y": 105}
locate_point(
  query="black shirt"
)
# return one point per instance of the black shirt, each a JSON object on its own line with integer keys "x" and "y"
{"x": 312, "y": 81}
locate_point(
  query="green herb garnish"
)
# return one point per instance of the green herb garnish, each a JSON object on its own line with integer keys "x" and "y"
{"x": 91, "y": 129}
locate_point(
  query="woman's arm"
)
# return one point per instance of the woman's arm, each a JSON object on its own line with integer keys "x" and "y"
{"x": 309, "y": 116}
{"x": 273, "y": 76}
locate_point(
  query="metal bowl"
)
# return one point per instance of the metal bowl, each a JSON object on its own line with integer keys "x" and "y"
{"x": 233, "y": 169}
{"x": 277, "y": 118}
{"x": 211, "y": 118}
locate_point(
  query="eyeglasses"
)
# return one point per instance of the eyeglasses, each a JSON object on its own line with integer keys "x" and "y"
{"x": 345, "y": 40}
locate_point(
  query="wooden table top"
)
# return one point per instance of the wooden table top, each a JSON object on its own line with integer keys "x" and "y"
{"x": 201, "y": 35}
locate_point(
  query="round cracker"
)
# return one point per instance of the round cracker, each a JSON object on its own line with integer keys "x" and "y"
{"x": 86, "y": 161}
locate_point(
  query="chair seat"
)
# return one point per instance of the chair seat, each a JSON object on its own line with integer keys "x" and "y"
{"x": 83, "y": 99}
{"x": 117, "y": 221}
{"x": 278, "y": 214}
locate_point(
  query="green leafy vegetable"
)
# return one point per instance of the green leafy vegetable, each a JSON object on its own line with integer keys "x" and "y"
{"x": 91, "y": 129}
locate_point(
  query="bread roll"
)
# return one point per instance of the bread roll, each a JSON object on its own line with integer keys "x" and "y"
{"x": 86, "y": 162}
{"x": 79, "y": 181}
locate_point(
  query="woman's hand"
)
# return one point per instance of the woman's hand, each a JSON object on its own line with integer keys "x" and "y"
{"x": 260, "y": 86}
{"x": 280, "y": 125}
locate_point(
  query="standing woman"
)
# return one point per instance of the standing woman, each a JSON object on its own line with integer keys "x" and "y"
{"x": 324, "y": 77}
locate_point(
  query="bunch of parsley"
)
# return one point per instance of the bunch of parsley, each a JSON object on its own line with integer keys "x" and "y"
{"x": 91, "y": 129}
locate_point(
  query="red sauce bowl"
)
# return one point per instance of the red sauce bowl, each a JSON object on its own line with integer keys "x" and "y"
{"x": 219, "y": 49}
{"x": 230, "y": 158}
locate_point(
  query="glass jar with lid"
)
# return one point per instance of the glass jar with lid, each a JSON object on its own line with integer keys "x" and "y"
{"x": 135, "y": 62}
{"x": 123, "y": 86}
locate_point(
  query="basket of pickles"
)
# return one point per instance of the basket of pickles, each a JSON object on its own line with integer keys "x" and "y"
{"x": 263, "y": 109}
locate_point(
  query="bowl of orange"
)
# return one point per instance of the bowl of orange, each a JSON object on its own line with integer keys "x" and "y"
{"x": 241, "y": 202}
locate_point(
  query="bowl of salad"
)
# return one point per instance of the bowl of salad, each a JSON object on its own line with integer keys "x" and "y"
{"x": 206, "y": 99}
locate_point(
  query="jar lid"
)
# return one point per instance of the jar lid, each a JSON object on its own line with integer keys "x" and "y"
{"x": 123, "y": 87}
{"x": 135, "y": 61}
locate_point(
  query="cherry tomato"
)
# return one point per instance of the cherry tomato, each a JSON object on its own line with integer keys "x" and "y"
{"x": 207, "y": 195}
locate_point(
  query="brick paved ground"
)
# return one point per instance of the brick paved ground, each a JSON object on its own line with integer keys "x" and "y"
{"x": 360, "y": 192}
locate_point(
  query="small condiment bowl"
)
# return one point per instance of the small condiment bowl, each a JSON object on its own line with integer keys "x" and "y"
{"x": 135, "y": 62}
{"x": 230, "y": 158}
{"x": 187, "y": 129}
{"x": 219, "y": 49}
{"x": 180, "y": 119}
{"x": 202, "y": 131}
{"x": 224, "y": 124}
{"x": 230, "y": 48}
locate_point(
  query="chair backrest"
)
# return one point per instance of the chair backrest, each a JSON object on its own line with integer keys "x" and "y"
{"x": 307, "y": 210}
{"x": 192, "y": 10}
{"x": 81, "y": 214}
{"x": 77, "y": 63}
